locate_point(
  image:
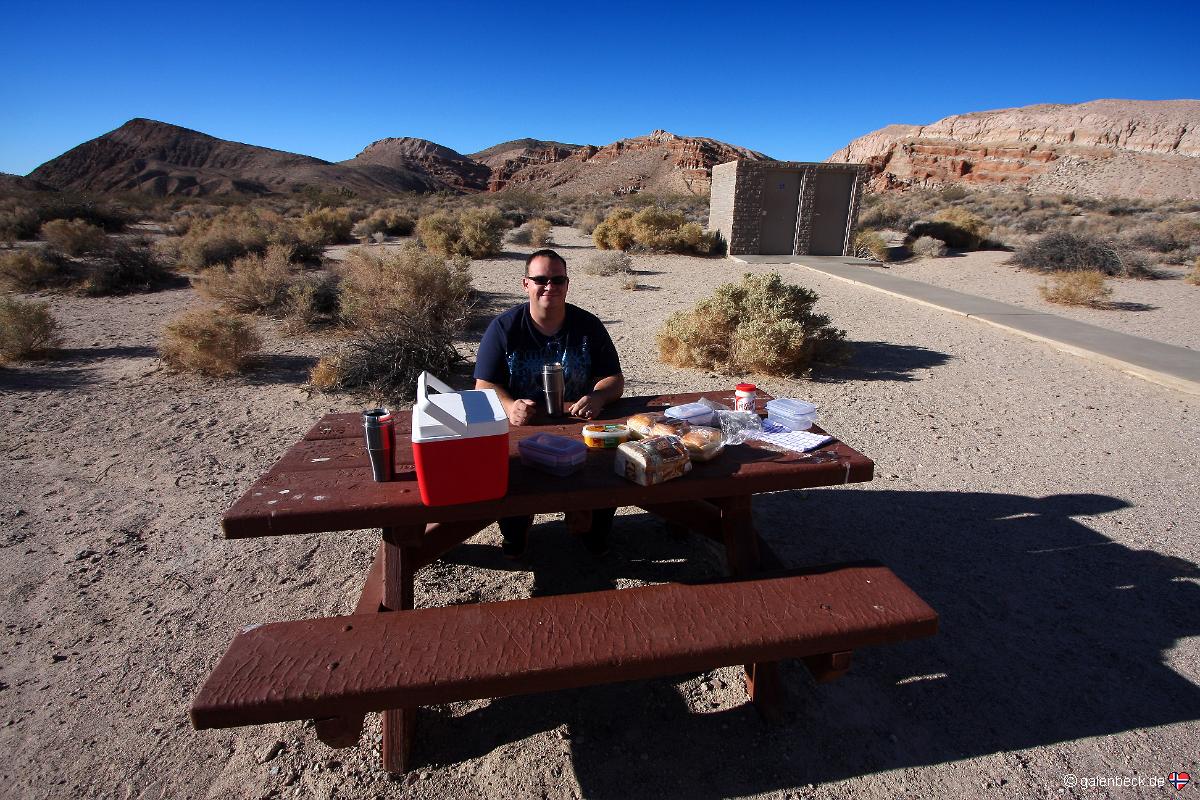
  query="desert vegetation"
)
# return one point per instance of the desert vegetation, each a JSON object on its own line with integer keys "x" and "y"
{"x": 653, "y": 229}
{"x": 1077, "y": 288}
{"x": 1061, "y": 251}
{"x": 27, "y": 329}
{"x": 209, "y": 341}
{"x": 871, "y": 245}
{"x": 758, "y": 325}
{"x": 472, "y": 232}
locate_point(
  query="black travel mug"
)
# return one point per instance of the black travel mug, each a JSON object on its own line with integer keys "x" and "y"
{"x": 381, "y": 441}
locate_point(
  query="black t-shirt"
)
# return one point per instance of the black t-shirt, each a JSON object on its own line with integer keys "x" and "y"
{"x": 513, "y": 353}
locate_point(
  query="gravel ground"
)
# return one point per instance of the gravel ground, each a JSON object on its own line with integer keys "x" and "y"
{"x": 1043, "y": 504}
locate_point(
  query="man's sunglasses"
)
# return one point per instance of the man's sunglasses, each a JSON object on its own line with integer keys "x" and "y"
{"x": 542, "y": 280}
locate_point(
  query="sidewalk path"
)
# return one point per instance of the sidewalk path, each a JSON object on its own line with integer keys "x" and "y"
{"x": 1164, "y": 364}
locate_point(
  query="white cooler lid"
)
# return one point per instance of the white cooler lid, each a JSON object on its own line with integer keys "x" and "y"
{"x": 455, "y": 415}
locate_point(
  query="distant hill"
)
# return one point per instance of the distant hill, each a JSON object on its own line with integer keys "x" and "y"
{"x": 162, "y": 159}
{"x": 1103, "y": 148}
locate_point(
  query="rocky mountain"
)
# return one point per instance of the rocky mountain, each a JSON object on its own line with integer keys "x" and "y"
{"x": 660, "y": 162}
{"x": 162, "y": 159}
{"x": 1103, "y": 148}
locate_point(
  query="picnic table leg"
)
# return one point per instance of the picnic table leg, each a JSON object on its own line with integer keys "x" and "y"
{"x": 399, "y": 562}
{"x": 742, "y": 554}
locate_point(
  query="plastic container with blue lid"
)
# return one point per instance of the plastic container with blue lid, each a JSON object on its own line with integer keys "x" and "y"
{"x": 691, "y": 413}
{"x": 558, "y": 455}
{"x": 793, "y": 414}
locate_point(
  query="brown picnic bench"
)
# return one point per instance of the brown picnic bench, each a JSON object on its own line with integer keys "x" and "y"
{"x": 336, "y": 670}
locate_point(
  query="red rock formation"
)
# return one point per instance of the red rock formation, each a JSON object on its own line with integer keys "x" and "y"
{"x": 1147, "y": 149}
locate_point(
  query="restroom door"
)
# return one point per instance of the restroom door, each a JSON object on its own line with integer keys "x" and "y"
{"x": 831, "y": 212}
{"x": 781, "y": 197}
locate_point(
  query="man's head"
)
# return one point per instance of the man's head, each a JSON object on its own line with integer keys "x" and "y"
{"x": 545, "y": 280}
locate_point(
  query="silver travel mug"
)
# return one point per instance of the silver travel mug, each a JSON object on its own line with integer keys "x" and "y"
{"x": 381, "y": 441}
{"x": 552, "y": 388}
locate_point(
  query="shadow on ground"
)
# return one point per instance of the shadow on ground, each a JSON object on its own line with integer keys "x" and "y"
{"x": 882, "y": 361}
{"x": 1050, "y": 633}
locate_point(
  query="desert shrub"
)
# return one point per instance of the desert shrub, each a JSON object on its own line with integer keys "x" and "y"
{"x": 222, "y": 239}
{"x": 312, "y": 301}
{"x": 1061, "y": 251}
{"x": 928, "y": 247}
{"x": 252, "y": 283}
{"x": 104, "y": 215}
{"x": 953, "y": 192}
{"x": 1176, "y": 238}
{"x": 1193, "y": 277}
{"x": 630, "y": 283}
{"x": 652, "y": 228}
{"x": 384, "y": 361}
{"x": 869, "y": 244}
{"x": 957, "y": 227}
{"x": 30, "y": 270}
{"x": 520, "y": 235}
{"x": 27, "y": 329}
{"x": 473, "y": 232}
{"x": 758, "y": 325}
{"x": 607, "y": 262}
{"x": 388, "y": 221}
{"x": 379, "y": 287}
{"x": 18, "y": 222}
{"x": 328, "y": 225}
{"x": 1076, "y": 288}
{"x": 74, "y": 237}
{"x": 122, "y": 269}
{"x": 588, "y": 221}
{"x": 616, "y": 231}
{"x": 209, "y": 341}
{"x": 539, "y": 232}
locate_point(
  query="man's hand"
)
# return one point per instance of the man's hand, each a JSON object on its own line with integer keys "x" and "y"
{"x": 521, "y": 412}
{"x": 587, "y": 406}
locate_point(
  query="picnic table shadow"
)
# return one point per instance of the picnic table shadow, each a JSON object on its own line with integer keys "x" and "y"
{"x": 1050, "y": 632}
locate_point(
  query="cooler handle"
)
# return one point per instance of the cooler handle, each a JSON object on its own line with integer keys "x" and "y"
{"x": 432, "y": 409}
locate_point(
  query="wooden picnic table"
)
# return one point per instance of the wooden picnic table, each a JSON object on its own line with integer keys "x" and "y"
{"x": 323, "y": 484}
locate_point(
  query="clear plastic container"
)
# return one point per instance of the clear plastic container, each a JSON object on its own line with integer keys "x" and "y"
{"x": 558, "y": 455}
{"x": 603, "y": 436}
{"x": 793, "y": 414}
{"x": 691, "y": 413}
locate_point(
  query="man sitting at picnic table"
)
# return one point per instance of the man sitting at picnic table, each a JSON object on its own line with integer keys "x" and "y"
{"x": 545, "y": 330}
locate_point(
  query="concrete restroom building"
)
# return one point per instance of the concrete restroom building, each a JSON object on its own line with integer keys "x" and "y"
{"x": 786, "y": 207}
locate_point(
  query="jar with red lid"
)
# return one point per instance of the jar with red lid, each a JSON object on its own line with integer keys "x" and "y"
{"x": 745, "y": 397}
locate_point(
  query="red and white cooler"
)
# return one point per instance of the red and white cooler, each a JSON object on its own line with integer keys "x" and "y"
{"x": 460, "y": 444}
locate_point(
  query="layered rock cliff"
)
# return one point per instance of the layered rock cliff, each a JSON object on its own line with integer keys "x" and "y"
{"x": 1103, "y": 148}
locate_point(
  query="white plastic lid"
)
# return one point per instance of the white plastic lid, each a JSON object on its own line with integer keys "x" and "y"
{"x": 455, "y": 415}
{"x": 695, "y": 413}
{"x": 791, "y": 407}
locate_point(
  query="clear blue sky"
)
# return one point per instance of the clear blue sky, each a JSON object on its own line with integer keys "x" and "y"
{"x": 794, "y": 81}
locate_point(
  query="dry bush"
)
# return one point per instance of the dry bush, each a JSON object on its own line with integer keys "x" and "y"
{"x": 312, "y": 302}
{"x": 928, "y": 247}
{"x": 251, "y": 284}
{"x": 630, "y": 283}
{"x": 473, "y": 232}
{"x": 1193, "y": 277}
{"x": 1078, "y": 288}
{"x": 588, "y": 222}
{"x": 209, "y": 341}
{"x": 18, "y": 221}
{"x": 379, "y": 287}
{"x": 388, "y": 221}
{"x": 1061, "y": 251}
{"x": 959, "y": 228}
{"x": 539, "y": 232}
{"x": 222, "y": 239}
{"x": 328, "y": 225}
{"x": 870, "y": 244}
{"x": 384, "y": 361}
{"x": 27, "y": 330}
{"x": 652, "y": 228}
{"x": 1177, "y": 239}
{"x": 122, "y": 269}
{"x": 520, "y": 235}
{"x": 31, "y": 270}
{"x": 758, "y": 325}
{"x": 616, "y": 231}
{"x": 607, "y": 262}
{"x": 74, "y": 237}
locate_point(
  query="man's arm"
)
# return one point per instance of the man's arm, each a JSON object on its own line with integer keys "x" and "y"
{"x": 607, "y": 390}
{"x": 520, "y": 412}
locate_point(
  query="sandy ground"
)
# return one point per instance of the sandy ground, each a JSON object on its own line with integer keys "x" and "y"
{"x": 1045, "y": 505}
{"x": 1164, "y": 309}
